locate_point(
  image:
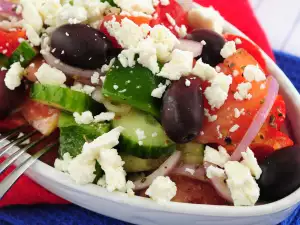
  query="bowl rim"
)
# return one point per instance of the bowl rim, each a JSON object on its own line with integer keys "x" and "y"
{"x": 62, "y": 180}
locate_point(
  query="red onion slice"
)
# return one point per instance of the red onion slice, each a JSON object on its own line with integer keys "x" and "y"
{"x": 8, "y": 9}
{"x": 68, "y": 70}
{"x": 189, "y": 45}
{"x": 219, "y": 185}
{"x": 258, "y": 120}
{"x": 163, "y": 170}
{"x": 185, "y": 170}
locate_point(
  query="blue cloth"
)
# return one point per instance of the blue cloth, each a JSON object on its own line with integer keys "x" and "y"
{"x": 75, "y": 215}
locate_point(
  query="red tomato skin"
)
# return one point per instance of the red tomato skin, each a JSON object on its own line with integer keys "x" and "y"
{"x": 250, "y": 47}
{"x": 9, "y": 41}
{"x": 175, "y": 10}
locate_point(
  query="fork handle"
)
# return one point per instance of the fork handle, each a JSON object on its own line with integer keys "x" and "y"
{"x": 7, "y": 183}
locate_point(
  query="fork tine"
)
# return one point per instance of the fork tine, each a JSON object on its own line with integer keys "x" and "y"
{"x": 6, "y": 184}
{"x": 13, "y": 133}
{"x": 12, "y": 158}
{"x": 5, "y": 148}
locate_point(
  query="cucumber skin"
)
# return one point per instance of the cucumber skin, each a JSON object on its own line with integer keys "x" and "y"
{"x": 144, "y": 152}
{"x": 135, "y": 164}
{"x": 73, "y": 136}
{"x": 25, "y": 50}
{"x": 139, "y": 98}
{"x": 154, "y": 148}
{"x": 64, "y": 98}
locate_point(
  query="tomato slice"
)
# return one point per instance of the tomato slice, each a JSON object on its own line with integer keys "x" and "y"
{"x": 218, "y": 131}
{"x": 9, "y": 41}
{"x": 250, "y": 47}
{"x": 40, "y": 116}
{"x": 175, "y": 10}
{"x": 194, "y": 191}
{"x": 139, "y": 20}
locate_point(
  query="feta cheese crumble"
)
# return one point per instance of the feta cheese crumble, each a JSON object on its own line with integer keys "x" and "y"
{"x": 204, "y": 71}
{"x": 216, "y": 157}
{"x": 211, "y": 118}
{"x": 208, "y": 17}
{"x": 104, "y": 116}
{"x": 127, "y": 33}
{"x": 180, "y": 65}
{"x": 13, "y": 76}
{"x": 254, "y": 73}
{"x": 213, "y": 171}
{"x": 242, "y": 91}
{"x": 251, "y": 162}
{"x": 50, "y": 75}
{"x": 162, "y": 189}
{"x": 159, "y": 91}
{"x": 32, "y": 35}
{"x": 95, "y": 78}
{"x": 31, "y": 15}
{"x": 228, "y": 50}
{"x": 63, "y": 164}
{"x": 145, "y": 6}
{"x": 126, "y": 58}
{"x": 85, "y": 118}
{"x": 243, "y": 188}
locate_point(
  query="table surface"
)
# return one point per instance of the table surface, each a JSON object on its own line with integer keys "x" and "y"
{"x": 281, "y": 21}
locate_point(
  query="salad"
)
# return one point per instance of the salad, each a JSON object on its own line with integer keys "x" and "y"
{"x": 150, "y": 98}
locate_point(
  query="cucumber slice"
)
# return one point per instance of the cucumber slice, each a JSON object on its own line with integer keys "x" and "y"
{"x": 64, "y": 98}
{"x": 192, "y": 153}
{"x": 132, "y": 86}
{"x": 135, "y": 164}
{"x": 73, "y": 135}
{"x": 156, "y": 143}
{"x": 23, "y": 54}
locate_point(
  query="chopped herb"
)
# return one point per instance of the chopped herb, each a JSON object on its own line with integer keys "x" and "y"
{"x": 143, "y": 180}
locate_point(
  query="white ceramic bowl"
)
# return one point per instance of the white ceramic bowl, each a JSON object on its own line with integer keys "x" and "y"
{"x": 144, "y": 211}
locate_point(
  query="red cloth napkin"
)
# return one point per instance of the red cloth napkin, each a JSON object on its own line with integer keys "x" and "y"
{"x": 238, "y": 12}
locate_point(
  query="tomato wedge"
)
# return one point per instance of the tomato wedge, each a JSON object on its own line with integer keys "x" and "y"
{"x": 175, "y": 10}
{"x": 250, "y": 47}
{"x": 9, "y": 41}
{"x": 218, "y": 132}
{"x": 195, "y": 191}
{"x": 40, "y": 116}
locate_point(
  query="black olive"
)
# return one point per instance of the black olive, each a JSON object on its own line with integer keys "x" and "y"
{"x": 182, "y": 111}
{"x": 211, "y": 50}
{"x": 280, "y": 174}
{"x": 82, "y": 46}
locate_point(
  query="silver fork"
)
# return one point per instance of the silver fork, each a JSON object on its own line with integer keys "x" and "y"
{"x": 15, "y": 140}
